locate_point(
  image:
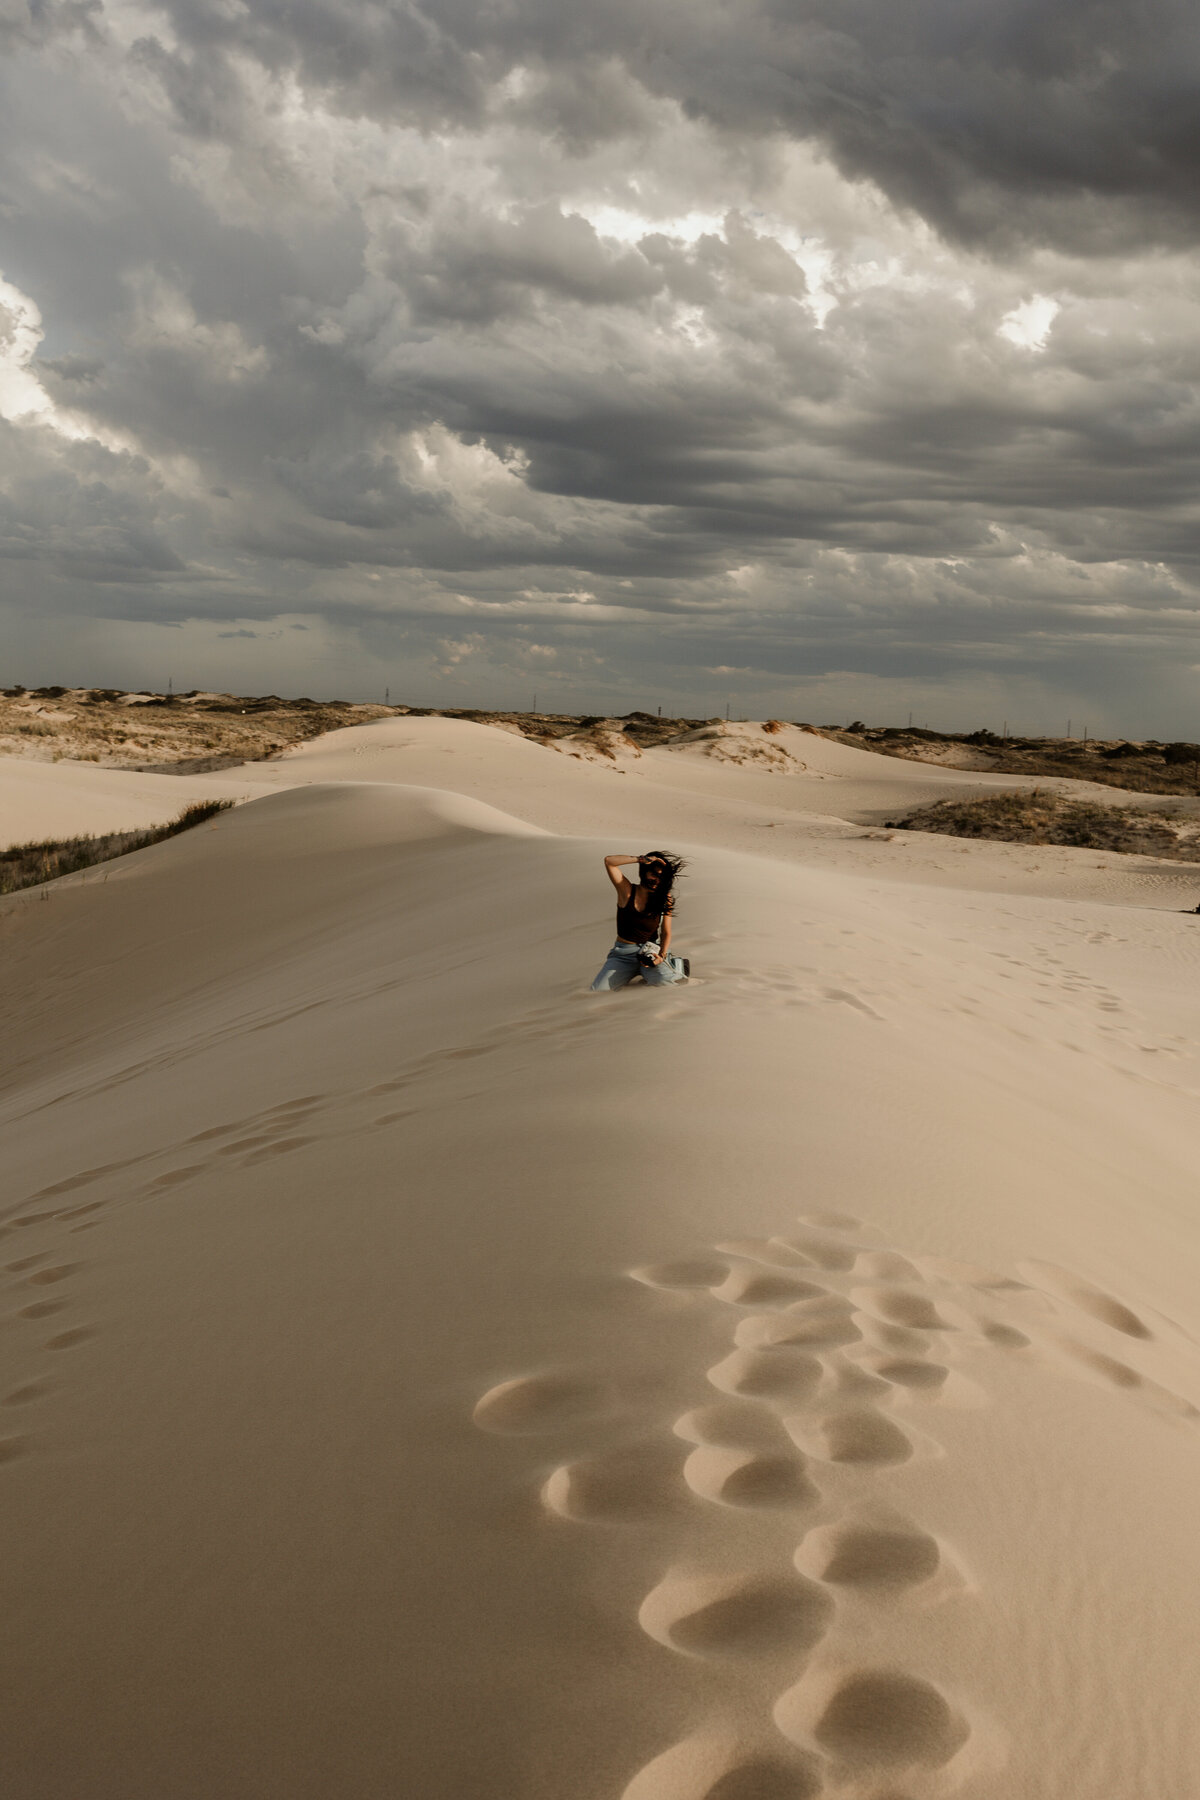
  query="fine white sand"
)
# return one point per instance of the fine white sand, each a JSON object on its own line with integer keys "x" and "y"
{"x": 40, "y": 800}
{"x": 471, "y": 1388}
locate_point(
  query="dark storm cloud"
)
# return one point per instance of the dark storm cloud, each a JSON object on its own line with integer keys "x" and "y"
{"x": 88, "y": 514}
{"x": 959, "y": 108}
{"x": 550, "y": 336}
{"x": 477, "y": 270}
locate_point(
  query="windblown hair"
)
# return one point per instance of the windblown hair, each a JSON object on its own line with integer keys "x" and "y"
{"x": 659, "y": 881}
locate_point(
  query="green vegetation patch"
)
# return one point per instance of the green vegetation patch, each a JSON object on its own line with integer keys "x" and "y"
{"x": 28, "y": 865}
{"x": 1038, "y": 817}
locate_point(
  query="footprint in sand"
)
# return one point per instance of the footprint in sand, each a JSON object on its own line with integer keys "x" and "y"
{"x": 67, "y": 1340}
{"x": 869, "y": 1720}
{"x": 174, "y": 1177}
{"x": 733, "y": 1425}
{"x": 1064, "y": 1285}
{"x": 1046, "y": 1284}
{"x": 823, "y": 1252}
{"x": 717, "y": 1767}
{"x": 731, "y": 1476}
{"x": 1004, "y": 1337}
{"x": 623, "y": 1486}
{"x": 860, "y": 1435}
{"x": 900, "y": 1306}
{"x": 281, "y": 1147}
{"x": 686, "y": 1273}
{"x": 531, "y": 1404}
{"x": 760, "y": 1287}
{"x": 246, "y": 1143}
{"x": 908, "y": 1372}
{"x": 884, "y": 1265}
{"x": 868, "y": 1557}
{"x": 818, "y": 1325}
{"x": 778, "y": 1372}
{"x": 898, "y": 1340}
{"x": 851, "y": 1384}
{"x": 1118, "y": 1374}
{"x": 716, "y": 1615}
{"x": 48, "y": 1277}
{"x": 764, "y": 1250}
{"x": 25, "y": 1396}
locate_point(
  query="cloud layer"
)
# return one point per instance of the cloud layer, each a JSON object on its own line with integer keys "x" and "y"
{"x": 840, "y": 359}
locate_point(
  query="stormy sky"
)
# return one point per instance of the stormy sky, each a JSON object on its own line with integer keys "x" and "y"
{"x": 836, "y": 358}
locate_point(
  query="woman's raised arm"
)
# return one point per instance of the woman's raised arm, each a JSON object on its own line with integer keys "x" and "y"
{"x": 612, "y": 868}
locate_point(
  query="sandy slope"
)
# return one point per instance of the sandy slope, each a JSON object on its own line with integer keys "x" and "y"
{"x": 469, "y": 1387}
{"x": 40, "y": 800}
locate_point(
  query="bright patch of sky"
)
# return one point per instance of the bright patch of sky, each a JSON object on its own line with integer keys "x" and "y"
{"x": 630, "y": 227}
{"x": 23, "y": 399}
{"x": 21, "y": 393}
{"x": 1028, "y": 325}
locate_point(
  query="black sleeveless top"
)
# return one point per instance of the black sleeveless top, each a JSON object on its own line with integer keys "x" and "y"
{"x": 640, "y": 927}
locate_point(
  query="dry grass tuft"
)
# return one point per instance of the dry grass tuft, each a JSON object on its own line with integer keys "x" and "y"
{"x": 1038, "y": 817}
{"x": 28, "y": 865}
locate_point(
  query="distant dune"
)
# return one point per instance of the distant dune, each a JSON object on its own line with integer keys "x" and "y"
{"x": 472, "y": 1388}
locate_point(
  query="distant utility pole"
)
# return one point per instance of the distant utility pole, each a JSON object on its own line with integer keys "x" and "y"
{"x": 660, "y": 712}
{"x": 910, "y": 721}
{"x": 727, "y": 712}
{"x": 535, "y": 703}
{"x": 170, "y": 684}
{"x": 387, "y": 696}
{"x": 1006, "y": 731}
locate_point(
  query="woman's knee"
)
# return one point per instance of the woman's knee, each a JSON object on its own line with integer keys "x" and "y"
{"x": 611, "y": 976}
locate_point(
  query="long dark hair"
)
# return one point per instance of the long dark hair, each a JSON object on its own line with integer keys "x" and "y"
{"x": 659, "y": 881}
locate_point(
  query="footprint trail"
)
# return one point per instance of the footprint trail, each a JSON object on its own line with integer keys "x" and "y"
{"x": 779, "y": 1496}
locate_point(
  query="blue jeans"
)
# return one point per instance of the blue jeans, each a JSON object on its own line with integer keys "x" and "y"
{"x": 621, "y": 965}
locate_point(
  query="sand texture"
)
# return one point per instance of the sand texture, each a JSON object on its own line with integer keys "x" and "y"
{"x": 780, "y": 1386}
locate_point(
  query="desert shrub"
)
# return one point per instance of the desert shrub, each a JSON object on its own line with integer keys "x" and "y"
{"x": 1038, "y": 817}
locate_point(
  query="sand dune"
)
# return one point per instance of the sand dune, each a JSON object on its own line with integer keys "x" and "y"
{"x": 40, "y": 800}
{"x": 779, "y": 1386}
{"x": 727, "y": 767}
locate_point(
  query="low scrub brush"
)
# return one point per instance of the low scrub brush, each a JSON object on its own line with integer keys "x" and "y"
{"x": 1038, "y": 817}
{"x": 28, "y": 865}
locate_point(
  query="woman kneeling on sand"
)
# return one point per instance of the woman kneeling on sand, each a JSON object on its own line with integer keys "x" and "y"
{"x": 643, "y": 921}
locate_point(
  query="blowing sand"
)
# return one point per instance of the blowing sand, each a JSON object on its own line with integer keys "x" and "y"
{"x": 779, "y": 1386}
